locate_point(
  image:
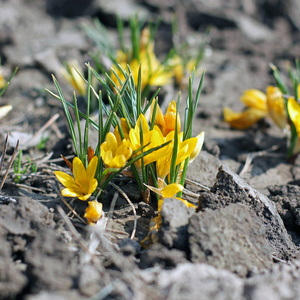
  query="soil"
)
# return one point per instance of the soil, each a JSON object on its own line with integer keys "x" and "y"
{"x": 241, "y": 243}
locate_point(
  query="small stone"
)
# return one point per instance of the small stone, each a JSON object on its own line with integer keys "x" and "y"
{"x": 230, "y": 188}
{"x": 129, "y": 247}
{"x": 146, "y": 210}
{"x": 231, "y": 238}
{"x": 158, "y": 254}
{"x": 175, "y": 218}
{"x": 199, "y": 281}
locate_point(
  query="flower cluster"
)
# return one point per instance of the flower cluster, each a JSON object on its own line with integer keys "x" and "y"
{"x": 135, "y": 138}
{"x": 276, "y": 103}
{"x": 154, "y": 72}
{"x": 152, "y": 149}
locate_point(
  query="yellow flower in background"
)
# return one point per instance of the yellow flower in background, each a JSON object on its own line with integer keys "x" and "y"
{"x": 185, "y": 149}
{"x": 2, "y": 80}
{"x": 83, "y": 184}
{"x": 276, "y": 106}
{"x": 114, "y": 154}
{"x": 243, "y": 120}
{"x": 294, "y": 113}
{"x": 166, "y": 123}
{"x": 153, "y": 73}
{"x": 178, "y": 68}
{"x": 93, "y": 212}
{"x": 256, "y": 102}
{"x": 72, "y": 77}
{"x": 256, "y": 99}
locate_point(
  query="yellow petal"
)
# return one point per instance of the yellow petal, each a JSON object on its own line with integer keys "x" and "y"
{"x": 4, "y": 110}
{"x": 171, "y": 190}
{"x": 93, "y": 212}
{"x": 196, "y": 151}
{"x": 69, "y": 193}
{"x": 84, "y": 197}
{"x": 170, "y": 118}
{"x": 187, "y": 204}
{"x": 118, "y": 162}
{"x": 255, "y": 98}
{"x": 106, "y": 156}
{"x": 91, "y": 169}
{"x": 245, "y": 119}
{"x": 65, "y": 179}
{"x": 159, "y": 117}
{"x": 276, "y": 106}
{"x": 294, "y": 113}
{"x": 79, "y": 171}
{"x": 112, "y": 143}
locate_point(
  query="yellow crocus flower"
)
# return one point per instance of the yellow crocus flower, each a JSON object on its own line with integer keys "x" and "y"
{"x": 243, "y": 120}
{"x": 72, "y": 77}
{"x": 114, "y": 154}
{"x": 93, "y": 212}
{"x": 276, "y": 106}
{"x": 200, "y": 141}
{"x": 83, "y": 184}
{"x": 256, "y": 102}
{"x": 2, "y": 80}
{"x": 166, "y": 123}
{"x": 255, "y": 98}
{"x": 168, "y": 191}
{"x": 153, "y": 73}
{"x": 294, "y": 113}
{"x": 125, "y": 129}
{"x": 185, "y": 149}
{"x": 151, "y": 138}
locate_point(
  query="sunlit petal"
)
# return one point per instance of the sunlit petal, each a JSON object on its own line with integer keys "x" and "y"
{"x": 65, "y": 179}
{"x": 196, "y": 151}
{"x": 294, "y": 113}
{"x": 93, "y": 212}
{"x": 79, "y": 171}
{"x": 91, "y": 169}
{"x": 245, "y": 119}
{"x": 255, "y": 98}
{"x": 276, "y": 106}
{"x": 171, "y": 190}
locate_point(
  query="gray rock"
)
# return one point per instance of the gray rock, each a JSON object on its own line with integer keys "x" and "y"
{"x": 173, "y": 232}
{"x": 230, "y": 188}
{"x": 129, "y": 247}
{"x": 231, "y": 238}
{"x": 281, "y": 283}
{"x": 158, "y": 254}
{"x": 199, "y": 281}
{"x": 146, "y": 209}
{"x": 293, "y": 12}
{"x": 49, "y": 254}
{"x": 287, "y": 200}
{"x": 204, "y": 169}
{"x": 24, "y": 217}
{"x": 90, "y": 281}
{"x": 254, "y": 30}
